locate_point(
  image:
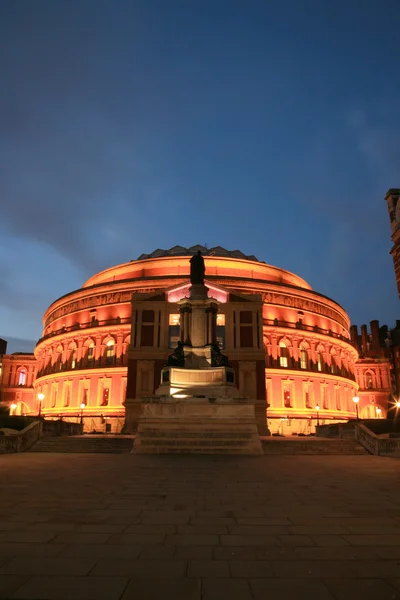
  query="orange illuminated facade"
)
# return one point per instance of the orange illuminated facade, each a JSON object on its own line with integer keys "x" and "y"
{"x": 307, "y": 358}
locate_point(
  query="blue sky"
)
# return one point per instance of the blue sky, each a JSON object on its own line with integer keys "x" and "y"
{"x": 130, "y": 125}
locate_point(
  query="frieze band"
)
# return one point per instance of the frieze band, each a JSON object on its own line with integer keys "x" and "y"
{"x": 303, "y": 304}
{"x": 93, "y": 302}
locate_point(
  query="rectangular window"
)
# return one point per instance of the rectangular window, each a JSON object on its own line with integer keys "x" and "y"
{"x": 67, "y": 397}
{"x": 246, "y": 329}
{"x": 337, "y": 399}
{"x": 54, "y": 398}
{"x": 147, "y": 329}
{"x": 90, "y": 356}
{"x": 85, "y": 396}
{"x": 286, "y": 398}
{"x": 307, "y": 398}
{"x": 174, "y": 330}
{"x": 105, "y": 397}
{"x": 220, "y": 333}
{"x": 324, "y": 398}
{"x": 303, "y": 359}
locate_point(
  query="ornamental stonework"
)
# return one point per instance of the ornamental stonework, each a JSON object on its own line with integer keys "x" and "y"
{"x": 304, "y": 304}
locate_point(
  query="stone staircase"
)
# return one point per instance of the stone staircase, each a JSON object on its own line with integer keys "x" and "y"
{"x": 317, "y": 446}
{"x": 197, "y": 437}
{"x": 85, "y": 444}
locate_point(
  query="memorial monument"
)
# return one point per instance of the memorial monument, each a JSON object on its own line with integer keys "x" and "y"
{"x": 197, "y": 407}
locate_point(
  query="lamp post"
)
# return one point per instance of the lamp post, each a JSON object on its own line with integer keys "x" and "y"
{"x": 13, "y": 408}
{"x": 356, "y": 400}
{"x": 40, "y": 398}
{"x": 82, "y": 407}
{"x": 317, "y": 409}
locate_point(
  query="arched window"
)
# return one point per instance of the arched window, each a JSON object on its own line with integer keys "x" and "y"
{"x": 73, "y": 357}
{"x": 90, "y": 355}
{"x": 110, "y": 352}
{"x": 303, "y": 357}
{"x": 320, "y": 361}
{"x": 369, "y": 382}
{"x": 283, "y": 355}
{"x": 22, "y": 377}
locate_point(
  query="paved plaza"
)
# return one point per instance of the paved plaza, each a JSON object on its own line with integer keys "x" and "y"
{"x": 106, "y": 527}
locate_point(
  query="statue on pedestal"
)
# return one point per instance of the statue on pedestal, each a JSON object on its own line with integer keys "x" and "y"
{"x": 197, "y": 269}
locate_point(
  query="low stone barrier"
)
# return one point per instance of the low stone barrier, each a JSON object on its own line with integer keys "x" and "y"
{"x": 21, "y": 440}
{"x": 380, "y": 445}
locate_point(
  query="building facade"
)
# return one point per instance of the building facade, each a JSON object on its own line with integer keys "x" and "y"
{"x": 18, "y": 372}
{"x": 393, "y": 204}
{"x": 304, "y": 365}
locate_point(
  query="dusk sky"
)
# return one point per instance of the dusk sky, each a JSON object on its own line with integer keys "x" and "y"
{"x": 126, "y": 126}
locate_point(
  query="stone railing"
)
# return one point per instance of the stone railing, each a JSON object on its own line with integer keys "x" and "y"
{"x": 380, "y": 445}
{"x": 21, "y": 440}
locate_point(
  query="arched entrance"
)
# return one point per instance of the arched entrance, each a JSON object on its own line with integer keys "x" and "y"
{"x": 372, "y": 411}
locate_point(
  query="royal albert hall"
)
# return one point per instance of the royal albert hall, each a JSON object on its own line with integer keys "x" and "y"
{"x": 294, "y": 352}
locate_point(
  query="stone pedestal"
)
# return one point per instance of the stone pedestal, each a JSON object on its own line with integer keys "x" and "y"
{"x": 197, "y": 426}
{"x": 211, "y": 382}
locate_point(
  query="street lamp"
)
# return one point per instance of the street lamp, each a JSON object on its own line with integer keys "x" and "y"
{"x": 378, "y": 412}
{"x": 356, "y": 400}
{"x": 397, "y": 404}
{"x": 317, "y": 409}
{"x": 82, "y": 407}
{"x": 40, "y": 398}
{"x": 13, "y": 408}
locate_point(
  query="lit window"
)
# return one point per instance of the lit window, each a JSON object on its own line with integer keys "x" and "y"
{"x": 319, "y": 361}
{"x": 220, "y": 320}
{"x": 73, "y": 358}
{"x": 54, "y": 398}
{"x": 22, "y": 377}
{"x": 85, "y": 396}
{"x": 307, "y": 399}
{"x": 370, "y": 384}
{"x": 67, "y": 398}
{"x": 174, "y": 330}
{"x": 110, "y": 352}
{"x": 174, "y": 319}
{"x": 286, "y": 398}
{"x": 220, "y": 333}
{"x": 104, "y": 401}
{"x": 283, "y": 356}
{"x": 90, "y": 355}
{"x": 303, "y": 358}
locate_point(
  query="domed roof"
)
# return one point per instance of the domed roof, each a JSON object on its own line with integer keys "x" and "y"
{"x": 181, "y": 251}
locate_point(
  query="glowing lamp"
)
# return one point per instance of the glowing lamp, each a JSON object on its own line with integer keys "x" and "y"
{"x": 397, "y": 404}
{"x": 13, "y": 406}
{"x": 83, "y": 405}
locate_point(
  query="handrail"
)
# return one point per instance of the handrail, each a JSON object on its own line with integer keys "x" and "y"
{"x": 301, "y": 326}
{"x": 21, "y": 440}
{"x": 87, "y": 325}
{"x": 379, "y": 445}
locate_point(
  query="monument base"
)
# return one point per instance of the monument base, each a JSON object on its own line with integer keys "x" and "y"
{"x": 197, "y": 426}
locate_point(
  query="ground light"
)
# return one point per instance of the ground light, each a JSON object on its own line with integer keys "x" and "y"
{"x": 40, "y": 398}
{"x": 356, "y": 400}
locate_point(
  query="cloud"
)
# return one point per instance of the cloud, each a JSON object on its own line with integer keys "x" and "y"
{"x": 15, "y": 344}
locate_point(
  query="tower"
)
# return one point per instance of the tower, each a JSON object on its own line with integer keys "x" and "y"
{"x": 392, "y": 199}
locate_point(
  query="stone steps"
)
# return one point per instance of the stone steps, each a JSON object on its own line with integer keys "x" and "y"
{"x": 196, "y": 437}
{"x": 84, "y": 444}
{"x": 312, "y": 446}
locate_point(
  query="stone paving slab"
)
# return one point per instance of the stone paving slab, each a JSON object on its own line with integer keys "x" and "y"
{"x": 118, "y": 527}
